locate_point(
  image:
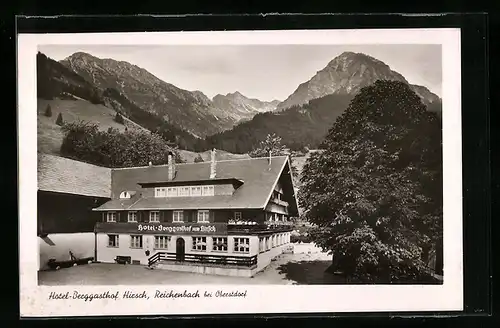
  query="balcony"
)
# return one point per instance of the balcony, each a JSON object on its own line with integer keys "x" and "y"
{"x": 279, "y": 202}
{"x": 269, "y": 226}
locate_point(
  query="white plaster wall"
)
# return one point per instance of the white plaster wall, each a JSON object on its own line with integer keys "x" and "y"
{"x": 108, "y": 254}
{"x": 81, "y": 244}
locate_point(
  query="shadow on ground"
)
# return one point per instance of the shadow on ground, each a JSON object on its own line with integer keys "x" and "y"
{"x": 321, "y": 273}
{"x": 310, "y": 273}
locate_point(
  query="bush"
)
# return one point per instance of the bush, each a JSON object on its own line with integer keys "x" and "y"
{"x": 198, "y": 159}
{"x": 301, "y": 238}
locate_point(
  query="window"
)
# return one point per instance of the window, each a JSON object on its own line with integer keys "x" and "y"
{"x": 135, "y": 241}
{"x": 196, "y": 191}
{"x": 220, "y": 244}
{"x": 161, "y": 242}
{"x": 160, "y": 192}
{"x": 208, "y": 190}
{"x": 172, "y": 192}
{"x": 154, "y": 216}
{"x": 237, "y": 216}
{"x": 184, "y": 191}
{"x": 178, "y": 216}
{"x": 132, "y": 216}
{"x": 200, "y": 243}
{"x": 203, "y": 216}
{"x": 111, "y": 217}
{"x": 113, "y": 241}
{"x": 241, "y": 245}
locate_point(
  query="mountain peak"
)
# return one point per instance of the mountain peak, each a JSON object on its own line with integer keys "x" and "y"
{"x": 235, "y": 94}
{"x": 80, "y": 55}
{"x": 345, "y": 74}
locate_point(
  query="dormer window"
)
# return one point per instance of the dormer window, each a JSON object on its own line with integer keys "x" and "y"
{"x": 160, "y": 192}
{"x": 184, "y": 191}
{"x": 208, "y": 190}
{"x": 125, "y": 195}
{"x": 172, "y": 192}
{"x": 196, "y": 191}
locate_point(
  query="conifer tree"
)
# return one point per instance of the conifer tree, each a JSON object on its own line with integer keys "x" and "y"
{"x": 59, "y": 120}
{"x": 48, "y": 111}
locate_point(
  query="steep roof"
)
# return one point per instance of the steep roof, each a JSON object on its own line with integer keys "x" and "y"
{"x": 63, "y": 175}
{"x": 258, "y": 177}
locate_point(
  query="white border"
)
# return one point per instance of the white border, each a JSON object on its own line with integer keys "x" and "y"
{"x": 260, "y": 299}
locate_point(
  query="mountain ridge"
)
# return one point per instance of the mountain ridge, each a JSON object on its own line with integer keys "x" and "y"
{"x": 151, "y": 93}
{"x": 243, "y": 107}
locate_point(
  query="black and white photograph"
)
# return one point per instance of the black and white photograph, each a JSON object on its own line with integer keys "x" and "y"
{"x": 231, "y": 165}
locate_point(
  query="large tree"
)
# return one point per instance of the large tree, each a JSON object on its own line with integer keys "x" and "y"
{"x": 375, "y": 193}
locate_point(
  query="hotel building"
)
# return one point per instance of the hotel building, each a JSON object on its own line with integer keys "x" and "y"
{"x": 227, "y": 217}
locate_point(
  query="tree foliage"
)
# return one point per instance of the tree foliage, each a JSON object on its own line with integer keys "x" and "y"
{"x": 375, "y": 193}
{"x": 273, "y": 146}
{"x": 84, "y": 141}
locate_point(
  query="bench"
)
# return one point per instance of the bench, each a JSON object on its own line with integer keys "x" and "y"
{"x": 123, "y": 259}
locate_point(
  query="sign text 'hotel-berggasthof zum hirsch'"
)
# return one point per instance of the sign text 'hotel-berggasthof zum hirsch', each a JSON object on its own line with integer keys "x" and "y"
{"x": 177, "y": 229}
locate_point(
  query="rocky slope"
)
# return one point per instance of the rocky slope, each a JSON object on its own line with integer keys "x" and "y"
{"x": 192, "y": 111}
{"x": 346, "y": 74}
{"x": 242, "y": 108}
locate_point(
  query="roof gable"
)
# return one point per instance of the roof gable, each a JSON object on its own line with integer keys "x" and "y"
{"x": 63, "y": 175}
{"x": 257, "y": 174}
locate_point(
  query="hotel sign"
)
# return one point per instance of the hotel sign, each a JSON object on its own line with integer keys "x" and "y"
{"x": 162, "y": 228}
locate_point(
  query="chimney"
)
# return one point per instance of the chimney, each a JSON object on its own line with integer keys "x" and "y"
{"x": 213, "y": 165}
{"x": 171, "y": 167}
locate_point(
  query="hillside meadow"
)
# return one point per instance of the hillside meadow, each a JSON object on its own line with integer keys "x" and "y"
{"x": 50, "y": 135}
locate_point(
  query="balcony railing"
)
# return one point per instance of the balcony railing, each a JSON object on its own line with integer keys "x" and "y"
{"x": 239, "y": 261}
{"x": 270, "y": 226}
{"x": 280, "y": 202}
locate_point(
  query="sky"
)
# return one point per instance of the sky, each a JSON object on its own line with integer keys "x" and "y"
{"x": 265, "y": 72}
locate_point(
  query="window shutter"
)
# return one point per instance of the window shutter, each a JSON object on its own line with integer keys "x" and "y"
{"x": 211, "y": 216}
{"x": 139, "y": 216}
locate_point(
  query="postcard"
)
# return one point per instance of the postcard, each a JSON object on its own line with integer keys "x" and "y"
{"x": 238, "y": 172}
